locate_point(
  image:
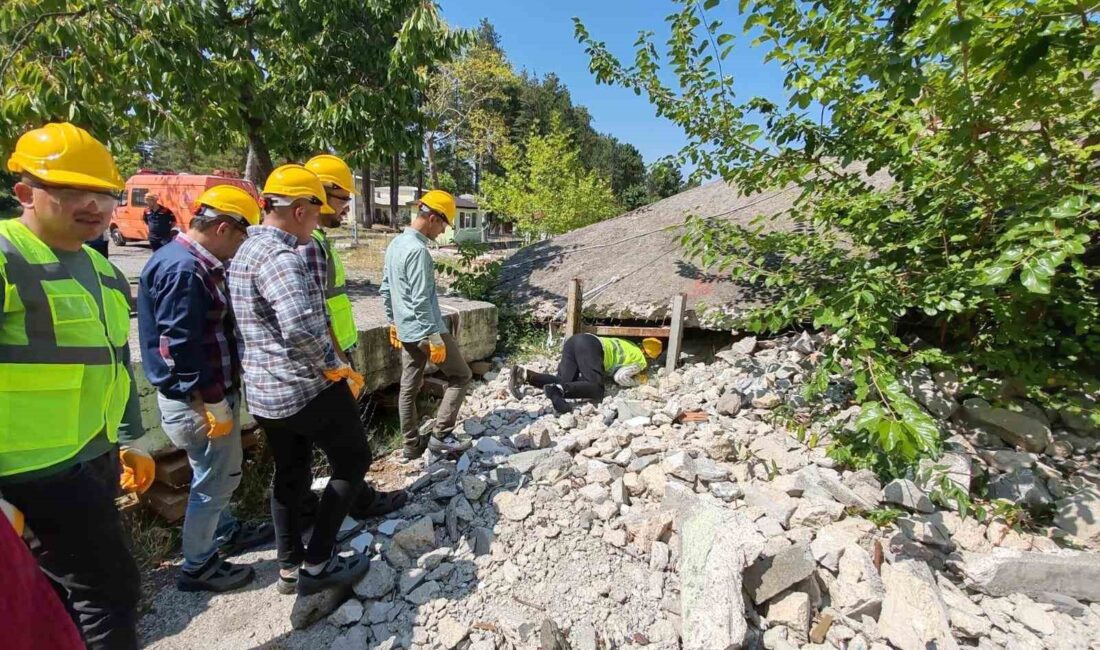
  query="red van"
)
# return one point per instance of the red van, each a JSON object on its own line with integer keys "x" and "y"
{"x": 177, "y": 192}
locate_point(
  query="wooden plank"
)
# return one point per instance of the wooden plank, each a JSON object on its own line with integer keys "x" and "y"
{"x": 174, "y": 470}
{"x": 676, "y": 336}
{"x": 612, "y": 330}
{"x": 169, "y": 503}
{"x": 573, "y": 308}
{"x": 434, "y": 386}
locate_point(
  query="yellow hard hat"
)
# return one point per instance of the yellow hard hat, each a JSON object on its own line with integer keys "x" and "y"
{"x": 231, "y": 200}
{"x": 332, "y": 170}
{"x": 65, "y": 154}
{"x": 652, "y": 347}
{"x": 297, "y": 182}
{"x": 442, "y": 202}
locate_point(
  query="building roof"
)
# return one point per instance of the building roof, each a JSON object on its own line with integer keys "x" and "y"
{"x": 633, "y": 264}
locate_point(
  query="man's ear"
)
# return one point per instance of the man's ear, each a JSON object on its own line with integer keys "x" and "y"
{"x": 24, "y": 193}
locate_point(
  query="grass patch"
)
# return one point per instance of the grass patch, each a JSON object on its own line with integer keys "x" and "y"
{"x": 153, "y": 540}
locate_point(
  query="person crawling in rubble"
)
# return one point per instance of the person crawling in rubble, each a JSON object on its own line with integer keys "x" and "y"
{"x": 586, "y": 360}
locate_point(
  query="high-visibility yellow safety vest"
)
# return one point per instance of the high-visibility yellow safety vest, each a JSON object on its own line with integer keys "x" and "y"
{"x": 62, "y": 380}
{"x": 336, "y": 296}
{"x": 618, "y": 353}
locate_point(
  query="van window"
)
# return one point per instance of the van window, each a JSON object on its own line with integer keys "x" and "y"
{"x": 137, "y": 196}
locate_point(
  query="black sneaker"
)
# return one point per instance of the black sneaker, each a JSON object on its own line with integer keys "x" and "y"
{"x": 372, "y": 503}
{"x": 247, "y": 536}
{"x": 216, "y": 575}
{"x": 557, "y": 398}
{"x": 517, "y": 377}
{"x": 339, "y": 571}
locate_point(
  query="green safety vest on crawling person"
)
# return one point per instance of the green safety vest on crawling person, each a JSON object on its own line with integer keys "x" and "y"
{"x": 336, "y": 296}
{"x": 62, "y": 380}
{"x": 618, "y": 353}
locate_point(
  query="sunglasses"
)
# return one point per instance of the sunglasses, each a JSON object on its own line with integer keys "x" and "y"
{"x": 78, "y": 197}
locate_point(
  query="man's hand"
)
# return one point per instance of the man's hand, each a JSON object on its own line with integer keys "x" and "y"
{"x": 356, "y": 383}
{"x": 437, "y": 349}
{"x": 395, "y": 342}
{"x": 138, "y": 469}
{"x": 628, "y": 375}
{"x": 220, "y": 418}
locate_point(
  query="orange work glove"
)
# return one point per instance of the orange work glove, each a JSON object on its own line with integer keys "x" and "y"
{"x": 394, "y": 341}
{"x": 356, "y": 383}
{"x": 138, "y": 469}
{"x": 437, "y": 350}
{"x": 220, "y": 418}
{"x": 338, "y": 374}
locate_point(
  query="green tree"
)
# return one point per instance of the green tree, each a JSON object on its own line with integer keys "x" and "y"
{"x": 941, "y": 159}
{"x": 545, "y": 189}
{"x": 663, "y": 180}
{"x": 289, "y": 77}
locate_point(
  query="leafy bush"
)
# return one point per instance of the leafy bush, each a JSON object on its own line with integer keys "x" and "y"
{"x": 469, "y": 277}
{"x": 941, "y": 162}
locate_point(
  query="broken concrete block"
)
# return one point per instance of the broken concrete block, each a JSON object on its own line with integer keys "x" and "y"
{"x": 770, "y": 575}
{"x": 906, "y": 494}
{"x": 1019, "y": 429}
{"x": 1070, "y": 573}
{"x": 378, "y": 582}
{"x": 1079, "y": 515}
{"x": 715, "y": 547}
{"x": 777, "y": 504}
{"x": 307, "y": 610}
{"x": 417, "y": 538}
{"x": 914, "y": 616}
{"x": 793, "y": 612}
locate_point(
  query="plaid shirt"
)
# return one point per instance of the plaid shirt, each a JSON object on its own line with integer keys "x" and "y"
{"x": 285, "y": 345}
{"x": 218, "y": 339}
{"x": 317, "y": 263}
{"x": 185, "y": 324}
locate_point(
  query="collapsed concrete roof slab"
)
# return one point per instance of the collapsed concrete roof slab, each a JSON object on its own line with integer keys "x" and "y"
{"x": 633, "y": 264}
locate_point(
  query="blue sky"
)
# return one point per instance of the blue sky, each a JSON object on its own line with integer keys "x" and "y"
{"x": 538, "y": 36}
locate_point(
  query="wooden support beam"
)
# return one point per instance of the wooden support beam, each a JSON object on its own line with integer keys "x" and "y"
{"x": 614, "y": 330}
{"x": 676, "y": 336}
{"x": 573, "y": 307}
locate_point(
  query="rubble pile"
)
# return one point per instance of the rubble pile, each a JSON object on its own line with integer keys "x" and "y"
{"x": 685, "y": 514}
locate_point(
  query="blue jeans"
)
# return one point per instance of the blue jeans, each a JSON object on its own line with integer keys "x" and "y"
{"x": 216, "y": 473}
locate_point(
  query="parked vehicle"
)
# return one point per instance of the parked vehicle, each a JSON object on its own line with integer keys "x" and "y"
{"x": 177, "y": 192}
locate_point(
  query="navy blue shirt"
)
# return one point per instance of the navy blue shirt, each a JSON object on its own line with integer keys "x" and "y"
{"x": 160, "y": 222}
{"x": 185, "y": 327}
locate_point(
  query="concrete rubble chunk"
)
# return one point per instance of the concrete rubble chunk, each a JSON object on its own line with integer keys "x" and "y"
{"x": 815, "y": 513}
{"x": 777, "y": 504}
{"x": 951, "y": 467}
{"x": 921, "y": 387}
{"x": 417, "y": 538}
{"x": 423, "y": 593}
{"x": 1079, "y": 515}
{"x": 355, "y": 638}
{"x": 307, "y": 610}
{"x": 826, "y": 483}
{"x": 967, "y": 619}
{"x": 451, "y": 633}
{"x": 515, "y": 507}
{"x": 906, "y": 494}
{"x": 830, "y": 541}
{"x": 792, "y": 611}
{"x": 681, "y": 465}
{"x": 858, "y": 590}
{"x": 715, "y": 547}
{"x": 1023, "y": 487}
{"x": 473, "y": 487}
{"x": 1019, "y": 429}
{"x": 769, "y": 575}
{"x": 378, "y": 582}
{"x": 730, "y": 403}
{"x": 1075, "y": 574}
{"x": 347, "y": 614}
{"x": 647, "y": 526}
{"x": 914, "y": 616}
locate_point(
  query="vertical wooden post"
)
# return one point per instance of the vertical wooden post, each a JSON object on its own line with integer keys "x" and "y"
{"x": 676, "y": 333}
{"x": 573, "y": 308}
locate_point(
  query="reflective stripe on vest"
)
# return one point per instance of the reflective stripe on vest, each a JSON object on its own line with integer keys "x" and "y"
{"x": 336, "y": 296}
{"x": 61, "y": 378}
{"x": 618, "y": 353}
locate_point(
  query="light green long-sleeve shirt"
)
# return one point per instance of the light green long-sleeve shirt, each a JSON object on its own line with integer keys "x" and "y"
{"x": 408, "y": 288}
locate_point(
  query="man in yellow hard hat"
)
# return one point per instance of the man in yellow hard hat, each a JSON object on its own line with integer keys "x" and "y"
{"x": 418, "y": 329}
{"x": 298, "y": 388}
{"x": 586, "y": 359}
{"x": 67, "y": 396}
{"x": 189, "y": 353}
{"x": 328, "y": 272}
{"x": 321, "y": 258}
